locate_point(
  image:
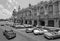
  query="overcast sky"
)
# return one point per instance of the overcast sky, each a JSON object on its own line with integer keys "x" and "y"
{"x": 6, "y": 6}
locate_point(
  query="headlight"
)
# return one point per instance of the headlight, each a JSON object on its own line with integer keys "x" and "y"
{"x": 36, "y": 31}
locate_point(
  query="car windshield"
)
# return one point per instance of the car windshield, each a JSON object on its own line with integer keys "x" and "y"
{"x": 10, "y": 33}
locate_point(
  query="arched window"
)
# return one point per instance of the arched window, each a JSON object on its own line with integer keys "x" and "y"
{"x": 42, "y": 10}
{"x": 50, "y": 9}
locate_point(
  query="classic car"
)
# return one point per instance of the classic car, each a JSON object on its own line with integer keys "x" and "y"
{"x": 27, "y": 26}
{"x": 39, "y": 31}
{"x": 19, "y": 26}
{"x": 30, "y": 30}
{"x": 9, "y": 34}
{"x": 52, "y": 35}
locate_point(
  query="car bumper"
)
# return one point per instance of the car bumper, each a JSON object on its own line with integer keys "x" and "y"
{"x": 29, "y": 31}
{"x": 10, "y": 37}
{"x": 49, "y": 37}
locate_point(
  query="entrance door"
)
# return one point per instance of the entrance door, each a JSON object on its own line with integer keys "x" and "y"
{"x": 35, "y": 22}
{"x": 42, "y": 23}
{"x": 51, "y": 23}
{"x": 30, "y": 22}
{"x": 25, "y": 21}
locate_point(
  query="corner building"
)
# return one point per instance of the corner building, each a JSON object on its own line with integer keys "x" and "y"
{"x": 44, "y": 14}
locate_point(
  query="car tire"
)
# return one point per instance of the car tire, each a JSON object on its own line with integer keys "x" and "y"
{"x": 10, "y": 38}
{"x": 40, "y": 33}
{"x": 51, "y": 38}
{"x": 26, "y": 31}
{"x": 48, "y": 38}
{"x": 35, "y": 34}
{"x": 3, "y": 34}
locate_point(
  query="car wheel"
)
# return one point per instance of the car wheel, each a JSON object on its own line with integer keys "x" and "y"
{"x": 26, "y": 31}
{"x": 3, "y": 34}
{"x": 50, "y": 38}
{"x": 7, "y": 37}
{"x": 40, "y": 33}
{"x": 35, "y": 34}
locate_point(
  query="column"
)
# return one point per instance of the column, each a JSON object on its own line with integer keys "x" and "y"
{"x": 37, "y": 22}
{"x": 27, "y": 21}
{"x": 32, "y": 22}
{"x": 46, "y": 22}
{"x": 56, "y": 23}
{"x": 23, "y": 21}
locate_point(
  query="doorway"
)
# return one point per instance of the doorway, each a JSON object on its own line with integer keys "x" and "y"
{"x": 35, "y": 22}
{"x": 30, "y": 22}
{"x": 25, "y": 21}
{"x": 42, "y": 23}
{"x": 51, "y": 23}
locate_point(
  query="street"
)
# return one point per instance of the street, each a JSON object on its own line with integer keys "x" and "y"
{"x": 19, "y": 37}
{"x": 22, "y": 36}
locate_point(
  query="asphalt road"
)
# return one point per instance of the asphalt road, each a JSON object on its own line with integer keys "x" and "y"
{"x": 22, "y": 36}
{"x": 19, "y": 37}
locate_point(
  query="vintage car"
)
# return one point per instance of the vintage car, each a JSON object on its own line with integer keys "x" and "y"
{"x": 52, "y": 35}
{"x": 19, "y": 26}
{"x": 9, "y": 34}
{"x": 30, "y": 30}
{"x": 39, "y": 31}
{"x": 27, "y": 26}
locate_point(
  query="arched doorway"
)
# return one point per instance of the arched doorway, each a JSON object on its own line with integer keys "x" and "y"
{"x": 51, "y": 23}
{"x": 35, "y": 22}
{"x": 25, "y": 21}
{"x": 30, "y": 22}
{"x": 42, "y": 23}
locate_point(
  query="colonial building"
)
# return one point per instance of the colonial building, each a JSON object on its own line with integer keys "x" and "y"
{"x": 44, "y": 13}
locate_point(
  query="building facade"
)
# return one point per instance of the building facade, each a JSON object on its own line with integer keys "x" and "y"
{"x": 44, "y": 13}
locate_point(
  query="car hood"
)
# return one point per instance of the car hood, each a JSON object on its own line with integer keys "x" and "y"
{"x": 48, "y": 34}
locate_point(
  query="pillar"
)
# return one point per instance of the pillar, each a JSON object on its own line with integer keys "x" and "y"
{"x": 46, "y": 22}
{"x": 32, "y": 22}
{"x": 56, "y": 23}
{"x": 23, "y": 21}
{"x": 37, "y": 22}
{"x": 27, "y": 21}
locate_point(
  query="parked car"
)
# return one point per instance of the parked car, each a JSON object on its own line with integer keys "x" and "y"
{"x": 19, "y": 26}
{"x": 39, "y": 31}
{"x": 52, "y": 35}
{"x": 9, "y": 34}
{"x": 30, "y": 30}
{"x": 27, "y": 26}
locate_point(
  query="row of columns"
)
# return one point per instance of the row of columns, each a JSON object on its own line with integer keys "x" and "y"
{"x": 56, "y": 22}
{"x": 31, "y": 21}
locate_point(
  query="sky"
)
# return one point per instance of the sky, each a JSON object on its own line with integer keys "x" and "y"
{"x": 7, "y": 6}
